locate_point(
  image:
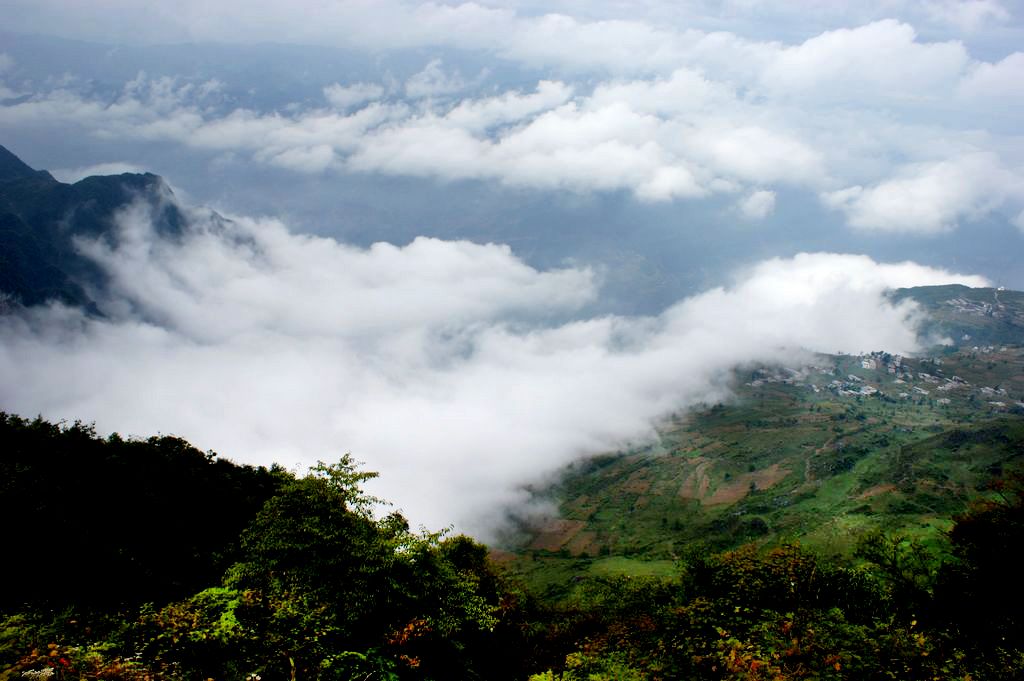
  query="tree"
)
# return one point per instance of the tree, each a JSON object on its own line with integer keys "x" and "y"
{"x": 332, "y": 589}
{"x": 978, "y": 592}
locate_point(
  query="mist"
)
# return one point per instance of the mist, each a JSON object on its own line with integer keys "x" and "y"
{"x": 455, "y": 369}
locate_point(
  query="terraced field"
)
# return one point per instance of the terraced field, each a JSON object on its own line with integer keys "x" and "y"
{"x": 819, "y": 454}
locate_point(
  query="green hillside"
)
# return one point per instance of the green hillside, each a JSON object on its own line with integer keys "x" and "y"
{"x": 971, "y": 316}
{"x": 820, "y": 454}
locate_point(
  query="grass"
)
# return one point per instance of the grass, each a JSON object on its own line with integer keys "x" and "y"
{"x": 620, "y": 565}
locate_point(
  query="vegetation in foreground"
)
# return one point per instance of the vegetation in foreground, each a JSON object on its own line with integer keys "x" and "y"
{"x": 152, "y": 560}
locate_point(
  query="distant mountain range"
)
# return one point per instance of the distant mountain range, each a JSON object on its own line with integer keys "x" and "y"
{"x": 41, "y": 217}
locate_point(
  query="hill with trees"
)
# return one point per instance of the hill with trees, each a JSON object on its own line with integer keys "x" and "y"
{"x": 148, "y": 559}
{"x": 132, "y": 559}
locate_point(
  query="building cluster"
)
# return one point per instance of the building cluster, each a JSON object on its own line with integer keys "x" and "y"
{"x": 911, "y": 383}
{"x": 973, "y": 307}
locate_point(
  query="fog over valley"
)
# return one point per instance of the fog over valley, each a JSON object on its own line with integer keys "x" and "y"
{"x": 473, "y": 243}
{"x": 457, "y": 370}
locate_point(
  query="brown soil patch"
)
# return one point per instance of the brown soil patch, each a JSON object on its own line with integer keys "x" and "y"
{"x": 582, "y": 506}
{"x": 769, "y": 477}
{"x": 935, "y": 486}
{"x": 876, "y": 491}
{"x": 500, "y": 557}
{"x": 555, "y": 534}
{"x": 729, "y": 494}
{"x": 584, "y": 542}
{"x": 705, "y": 483}
{"x": 740, "y": 487}
{"x": 695, "y": 485}
{"x": 638, "y": 483}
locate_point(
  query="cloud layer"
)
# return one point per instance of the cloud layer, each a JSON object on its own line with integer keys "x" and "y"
{"x": 453, "y": 368}
{"x": 895, "y": 132}
{"x": 646, "y": 34}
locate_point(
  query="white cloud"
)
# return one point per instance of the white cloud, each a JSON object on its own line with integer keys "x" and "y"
{"x": 684, "y": 91}
{"x": 347, "y": 96}
{"x": 612, "y": 27}
{"x": 448, "y": 366}
{"x": 856, "y": 114}
{"x": 567, "y": 147}
{"x": 255, "y": 276}
{"x": 111, "y": 168}
{"x": 541, "y": 139}
{"x": 479, "y": 115}
{"x": 882, "y": 58}
{"x": 755, "y": 154}
{"x": 640, "y": 40}
{"x": 967, "y": 15}
{"x": 616, "y": 45}
{"x": 929, "y": 197}
{"x": 433, "y": 80}
{"x": 757, "y": 205}
{"x": 304, "y": 159}
{"x": 1018, "y": 221}
{"x": 1002, "y": 80}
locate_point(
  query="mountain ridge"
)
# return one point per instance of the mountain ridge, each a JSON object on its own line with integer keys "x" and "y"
{"x": 40, "y": 217}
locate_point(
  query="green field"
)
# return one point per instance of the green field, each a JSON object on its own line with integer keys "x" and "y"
{"x": 818, "y": 454}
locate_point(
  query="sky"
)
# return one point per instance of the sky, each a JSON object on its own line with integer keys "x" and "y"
{"x": 474, "y": 242}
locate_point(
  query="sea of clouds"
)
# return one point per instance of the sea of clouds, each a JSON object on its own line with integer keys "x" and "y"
{"x": 457, "y": 371}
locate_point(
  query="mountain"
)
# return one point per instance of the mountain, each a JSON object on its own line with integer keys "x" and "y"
{"x": 40, "y": 219}
{"x": 970, "y": 316}
{"x": 821, "y": 454}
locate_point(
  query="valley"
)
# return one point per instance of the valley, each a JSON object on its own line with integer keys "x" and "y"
{"x": 821, "y": 454}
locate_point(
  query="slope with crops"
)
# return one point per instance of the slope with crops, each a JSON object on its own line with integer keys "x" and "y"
{"x": 823, "y": 454}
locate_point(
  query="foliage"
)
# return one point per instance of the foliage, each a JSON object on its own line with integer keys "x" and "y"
{"x": 781, "y": 614}
{"x": 315, "y": 586}
{"x": 137, "y": 519}
{"x": 978, "y": 596}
